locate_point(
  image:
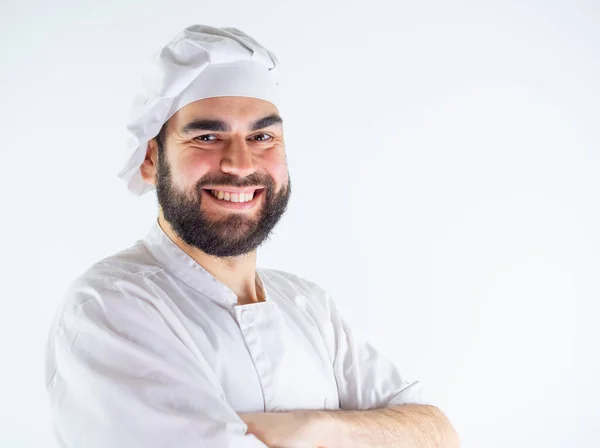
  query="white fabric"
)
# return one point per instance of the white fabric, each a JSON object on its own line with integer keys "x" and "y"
{"x": 200, "y": 62}
{"x": 149, "y": 350}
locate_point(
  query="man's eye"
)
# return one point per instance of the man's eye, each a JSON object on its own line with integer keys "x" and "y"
{"x": 206, "y": 138}
{"x": 262, "y": 137}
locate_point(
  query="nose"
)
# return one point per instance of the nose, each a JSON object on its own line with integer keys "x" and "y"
{"x": 238, "y": 159}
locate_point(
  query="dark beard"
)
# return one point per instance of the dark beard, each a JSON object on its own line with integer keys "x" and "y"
{"x": 234, "y": 235}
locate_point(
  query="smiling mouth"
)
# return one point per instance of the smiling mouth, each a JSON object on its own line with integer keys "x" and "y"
{"x": 242, "y": 196}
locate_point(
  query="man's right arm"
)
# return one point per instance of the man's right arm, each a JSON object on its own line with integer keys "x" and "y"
{"x": 119, "y": 377}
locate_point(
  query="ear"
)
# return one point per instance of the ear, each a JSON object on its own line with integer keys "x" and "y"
{"x": 149, "y": 167}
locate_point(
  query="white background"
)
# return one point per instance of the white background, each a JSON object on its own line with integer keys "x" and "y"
{"x": 445, "y": 165}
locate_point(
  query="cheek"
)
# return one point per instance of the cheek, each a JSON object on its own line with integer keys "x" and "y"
{"x": 191, "y": 169}
{"x": 276, "y": 166}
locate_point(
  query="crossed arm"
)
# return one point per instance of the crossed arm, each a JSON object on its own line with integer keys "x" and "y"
{"x": 405, "y": 426}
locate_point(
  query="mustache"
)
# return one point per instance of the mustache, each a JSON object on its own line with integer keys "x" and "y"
{"x": 230, "y": 180}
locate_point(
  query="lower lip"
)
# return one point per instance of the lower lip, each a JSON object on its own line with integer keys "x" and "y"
{"x": 234, "y": 205}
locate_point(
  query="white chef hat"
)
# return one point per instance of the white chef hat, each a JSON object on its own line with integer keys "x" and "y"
{"x": 200, "y": 62}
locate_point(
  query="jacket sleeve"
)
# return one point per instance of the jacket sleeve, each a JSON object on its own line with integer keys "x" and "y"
{"x": 366, "y": 379}
{"x": 118, "y": 376}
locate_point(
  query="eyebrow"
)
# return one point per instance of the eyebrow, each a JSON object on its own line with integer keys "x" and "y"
{"x": 207, "y": 124}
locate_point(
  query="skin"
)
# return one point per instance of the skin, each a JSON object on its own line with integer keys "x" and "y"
{"x": 240, "y": 152}
{"x": 401, "y": 426}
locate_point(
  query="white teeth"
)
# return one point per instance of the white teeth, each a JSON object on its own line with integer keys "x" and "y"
{"x": 233, "y": 197}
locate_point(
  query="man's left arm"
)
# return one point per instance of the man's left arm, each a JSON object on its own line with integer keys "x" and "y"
{"x": 403, "y": 426}
{"x": 378, "y": 406}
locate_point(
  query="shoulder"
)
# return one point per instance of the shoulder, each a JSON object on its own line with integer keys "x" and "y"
{"x": 110, "y": 283}
{"x": 109, "y": 297}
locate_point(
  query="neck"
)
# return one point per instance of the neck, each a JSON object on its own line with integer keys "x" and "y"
{"x": 237, "y": 273}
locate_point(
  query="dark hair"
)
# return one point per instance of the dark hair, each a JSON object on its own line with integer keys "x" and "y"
{"x": 160, "y": 139}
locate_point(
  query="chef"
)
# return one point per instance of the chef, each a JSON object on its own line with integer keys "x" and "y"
{"x": 180, "y": 340}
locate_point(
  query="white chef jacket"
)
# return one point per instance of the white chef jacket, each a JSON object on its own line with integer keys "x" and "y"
{"x": 150, "y": 350}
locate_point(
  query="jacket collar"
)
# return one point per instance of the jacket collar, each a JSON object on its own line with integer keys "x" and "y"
{"x": 174, "y": 260}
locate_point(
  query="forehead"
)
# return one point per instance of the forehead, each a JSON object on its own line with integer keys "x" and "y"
{"x": 236, "y": 110}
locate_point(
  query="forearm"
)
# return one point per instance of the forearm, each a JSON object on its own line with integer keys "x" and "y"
{"x": 405, "y": 426}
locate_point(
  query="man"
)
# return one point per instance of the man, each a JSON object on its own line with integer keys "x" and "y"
{"x": 180, "y": 341}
